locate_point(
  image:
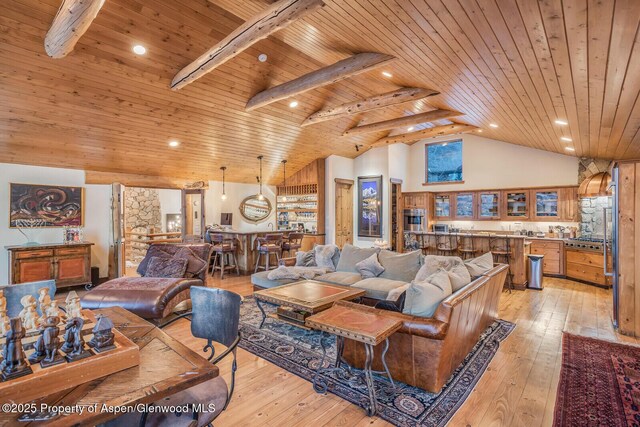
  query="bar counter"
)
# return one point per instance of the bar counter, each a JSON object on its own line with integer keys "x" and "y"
{"x": 246, "y": 252}
{"x": 519, "y": 247}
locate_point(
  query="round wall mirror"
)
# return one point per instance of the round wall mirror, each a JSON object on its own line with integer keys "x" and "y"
{"x": 255, "y": 210}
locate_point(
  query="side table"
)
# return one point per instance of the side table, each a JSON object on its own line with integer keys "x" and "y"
{"x": 368, "y": 328}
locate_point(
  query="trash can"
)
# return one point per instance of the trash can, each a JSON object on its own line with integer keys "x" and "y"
{"x": 535, "y": 272}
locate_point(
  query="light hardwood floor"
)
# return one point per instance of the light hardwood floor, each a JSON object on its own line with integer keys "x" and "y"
{"x": 518, "y": 388}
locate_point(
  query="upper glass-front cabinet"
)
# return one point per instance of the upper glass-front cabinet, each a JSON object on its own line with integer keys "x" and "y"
{"x": 442, "y": 206}
{"x": 489, "y": 205}
{"x": 465, "y": 206}
{"x": 546, "y": 204}
{"x": 516, "y": 204}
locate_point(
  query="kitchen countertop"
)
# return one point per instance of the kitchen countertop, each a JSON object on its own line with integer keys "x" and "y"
{"x": 485, "y": 234}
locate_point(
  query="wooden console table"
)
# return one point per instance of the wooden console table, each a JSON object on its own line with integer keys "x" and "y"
{"x": 68, "y": 265}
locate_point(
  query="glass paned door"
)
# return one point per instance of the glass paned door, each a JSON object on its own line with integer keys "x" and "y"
{"x": 489, "y": 205}
{"x": 442, "y": 206}
{"x": 464, "y": 205}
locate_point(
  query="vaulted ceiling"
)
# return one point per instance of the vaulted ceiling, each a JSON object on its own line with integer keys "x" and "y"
{"x": 519, "y": 64}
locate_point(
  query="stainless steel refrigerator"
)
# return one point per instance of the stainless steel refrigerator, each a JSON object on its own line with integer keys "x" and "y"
{"x": 611, "y": 240}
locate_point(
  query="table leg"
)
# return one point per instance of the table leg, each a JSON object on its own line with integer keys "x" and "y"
{"x": 384, "y": 362}
{"x": 371, "y": 410}
{"x": 264, "y": 315}
{"x": 319, "y": 384}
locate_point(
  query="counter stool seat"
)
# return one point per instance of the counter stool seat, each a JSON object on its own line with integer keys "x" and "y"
{"x": 501, "y": 250}
{"x": 224, "y": 254}
{"x": 292, "y": 244}
{"x": 269, "y": 245}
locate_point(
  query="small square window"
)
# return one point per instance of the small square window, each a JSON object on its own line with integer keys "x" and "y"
{"x": 444, "y": 162}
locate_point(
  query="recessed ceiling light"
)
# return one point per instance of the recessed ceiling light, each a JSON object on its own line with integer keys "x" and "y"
{"x": 569, "y": 148}
{"x": 410, "y": 129}
{"x": 387, "y": 74}
{"x": 479, "y": 130}
{"x": 173, "y": 143}
{"x": 561, "y": 122}
{"x": 293, "y": 104}
{"x": 566, "y": 138}
{"x": 139, "y": 49}
{"x": 262, "y": 57}
{"x": 493, "y": 125}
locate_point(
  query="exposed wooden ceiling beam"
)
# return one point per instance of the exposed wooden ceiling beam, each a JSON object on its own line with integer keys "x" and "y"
{"x": 274, "y": 18}
{"x": 72, "y": 20}
{"x": 415, "y": 119}
{"x": 351, "y": 66}
{"x": 387, "y": 99}
{"x": 423, "y": 134}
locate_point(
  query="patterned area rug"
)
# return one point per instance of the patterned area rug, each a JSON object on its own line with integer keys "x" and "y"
{"x": 599, "y": 383}
{"x": 298, "y": 351}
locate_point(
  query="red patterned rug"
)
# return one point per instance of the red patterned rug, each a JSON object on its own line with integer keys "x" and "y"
{"x": 599, "y": 384}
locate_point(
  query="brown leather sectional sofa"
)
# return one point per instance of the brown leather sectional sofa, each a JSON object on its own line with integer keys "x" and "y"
{"x": 426, "y": 351}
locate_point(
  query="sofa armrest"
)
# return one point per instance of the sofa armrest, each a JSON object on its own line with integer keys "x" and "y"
{"x": 427, "y": 327}
{"x": 287, "y": 262}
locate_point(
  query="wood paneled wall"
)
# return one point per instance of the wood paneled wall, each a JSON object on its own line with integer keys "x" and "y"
{"x": 629, "y": 248}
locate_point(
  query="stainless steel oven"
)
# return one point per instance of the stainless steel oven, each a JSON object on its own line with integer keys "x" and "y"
{"x": 415, "y": 220}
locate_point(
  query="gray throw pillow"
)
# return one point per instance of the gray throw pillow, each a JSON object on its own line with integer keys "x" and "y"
{"x": 324, "y": 256}
{"x": 305, "y": 259}
{"x": 454, "y": 265}
{"x": 398, "y": 266}
{"x": 370, "y": 267}
{"x": 166, "y": 267}
{"x": 479, "y": 265}
{"x": 423, "y": 298}
{"x": 351, "y": 255}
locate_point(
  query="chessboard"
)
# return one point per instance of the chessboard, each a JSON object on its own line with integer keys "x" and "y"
{"x": 43, "y": 381}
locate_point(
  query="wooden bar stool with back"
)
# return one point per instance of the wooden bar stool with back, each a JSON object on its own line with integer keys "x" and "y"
{"x": 224, "y": 254}
{"x": 500, "y": 248}
{"x": 292, "y": 244}
{"x": 271, "y": 244}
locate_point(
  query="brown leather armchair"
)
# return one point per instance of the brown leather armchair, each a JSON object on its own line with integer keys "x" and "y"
{"x": 426, "y": 351}
{"x": 154, "y": 298}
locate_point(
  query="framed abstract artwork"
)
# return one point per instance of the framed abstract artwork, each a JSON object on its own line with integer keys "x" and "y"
{"x": 35, "y": 205}
{"x": 370, "y": 206}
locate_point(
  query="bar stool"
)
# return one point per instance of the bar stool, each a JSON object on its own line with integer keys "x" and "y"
{"x": 501, "y": 250}
{"x": 446, "y": 244}
{"x": 271, "y": 244}
{"x": 292, "y": 243}
{"x": 224, "y": 255}
{"x": 425, "y": 243}
{"x": 466, "y": 247}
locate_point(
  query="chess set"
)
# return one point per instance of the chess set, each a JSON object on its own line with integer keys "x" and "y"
{"x": 48, "y": 349}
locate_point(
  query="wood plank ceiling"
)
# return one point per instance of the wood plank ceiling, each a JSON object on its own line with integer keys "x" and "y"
{"x": 520, "y": 64}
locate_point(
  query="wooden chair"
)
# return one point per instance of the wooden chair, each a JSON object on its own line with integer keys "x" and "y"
{"x": 271, "y": 244}
{"x": 446, "y": 244}
{"x": 224, "y": 254}
{"x": 424, "y": 240}
{"x": 466, "y": 247}
{"x": 292, "y": 243}
{"x": 215, "y": 317}
{"x": 500, "y": 248}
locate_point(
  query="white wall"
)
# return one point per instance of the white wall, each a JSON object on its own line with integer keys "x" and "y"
{"x": 214, "y": 205}
{"x": 489, "y": 164}
{"x": 97, "y": 212}
{"x": 170, "y": 203}
{"x": 335, "y": 167}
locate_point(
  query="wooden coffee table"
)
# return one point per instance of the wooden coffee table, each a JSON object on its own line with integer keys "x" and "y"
{"x": 304, "y": 298}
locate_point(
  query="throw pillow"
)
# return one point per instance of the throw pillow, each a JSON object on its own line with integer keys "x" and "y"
{"x": 195, "y": 264}
{"x": 480, "y": 265}
{"x": 454, "y": 265}
{"x": 398, "y": 266}
{"x": 153, "y": 251}
{"x": 305, "y": 259}
{"x": 351, "y": 255}
{"x": 422, "y": 298}
{"x": 370, "y": 267}
{"x": 166, "y": 267}
{"x": 324, "y": 256}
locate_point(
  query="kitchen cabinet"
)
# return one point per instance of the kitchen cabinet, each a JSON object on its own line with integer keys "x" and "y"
{"x": 442, "y": 206}
{"x": 546, "y": 204}
{"x": 414, "y": 200}
{"x": 465, "y": 206}
{"x": 488, "y": 205}
{"x": 553, "y": 251}
{"x": 515, "y": 205}
{"x": 68, "y": 265}
{"x": 569, "y": 204}
{"x": 587, "y": 266}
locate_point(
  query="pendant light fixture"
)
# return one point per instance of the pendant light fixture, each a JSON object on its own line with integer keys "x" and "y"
{"x": 284, "y": 182}
{"x": 224, "y": 194}
{"x": 260, "y": 195}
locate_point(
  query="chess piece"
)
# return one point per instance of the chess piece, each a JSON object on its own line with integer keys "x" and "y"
{"x": 103, "y": 336}
{"x": 73, "y": 307}
{"x": 52, "y": 309}
{"x": 3, "y": 301}
{"x": 43, "y": 299}
{"x": 14, "y": 364}
{"x": 39, "y": 353}
{"x": 30, "y": 319}
{"x": 50, "y": 342}
{"x": 73, "y": 342}
{"x": 4, "y": 323}
{"x": 26, "y": 301}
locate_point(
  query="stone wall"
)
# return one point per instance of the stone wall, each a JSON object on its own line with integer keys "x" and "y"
{"x": 592, "y": 217}
{"x": 142, "y": 215}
